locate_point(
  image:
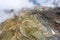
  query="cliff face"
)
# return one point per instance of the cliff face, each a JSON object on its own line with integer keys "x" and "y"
{"x": 31, "y": 25}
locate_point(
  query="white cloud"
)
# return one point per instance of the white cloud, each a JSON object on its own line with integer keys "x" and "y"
{"x": 7, "y": 4}
{"x": 14, "y": 4}
{"x": 46, "y": 3}
{"x": 18, "y": 4}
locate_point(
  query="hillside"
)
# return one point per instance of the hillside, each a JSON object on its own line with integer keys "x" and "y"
{"x": 32, "y": 24}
